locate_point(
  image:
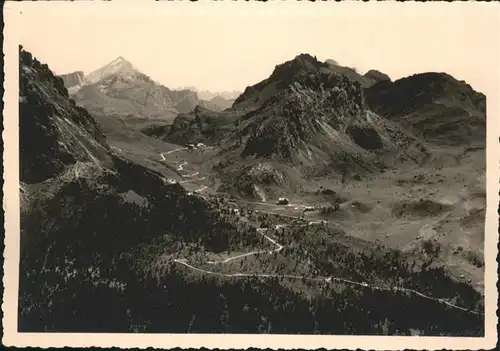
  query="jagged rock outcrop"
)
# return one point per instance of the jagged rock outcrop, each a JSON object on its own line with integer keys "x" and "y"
{"x": 282, "y": 76}
{"x": 259, "y": 181}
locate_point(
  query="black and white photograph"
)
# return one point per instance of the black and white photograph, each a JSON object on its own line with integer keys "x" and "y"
{"x": 316, "y": 173}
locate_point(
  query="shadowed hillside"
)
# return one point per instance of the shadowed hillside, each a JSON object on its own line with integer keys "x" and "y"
{"x": 434, "y": 105}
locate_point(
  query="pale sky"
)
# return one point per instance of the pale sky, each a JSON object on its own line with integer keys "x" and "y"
{"x": 228, "y": 46}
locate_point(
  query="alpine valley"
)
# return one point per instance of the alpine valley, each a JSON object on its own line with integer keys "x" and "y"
{"x": 318, "y": 201}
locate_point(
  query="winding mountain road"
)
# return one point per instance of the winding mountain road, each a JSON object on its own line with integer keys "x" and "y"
{"x": 181, "y": 166}
{"x": 317, "y": 279}
{"x": 171, "y": 152}
{"x": 280, "y": 247}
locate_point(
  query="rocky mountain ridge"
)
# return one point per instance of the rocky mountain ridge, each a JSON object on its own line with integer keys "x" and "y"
{"x": 304, "y": 109}
{"x": 436, "y": 106}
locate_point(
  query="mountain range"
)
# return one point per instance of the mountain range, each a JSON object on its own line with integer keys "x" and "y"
{"x": 309, "y": 120}
{"x": 209, "y": 95}
{"x": 318, "y": 196}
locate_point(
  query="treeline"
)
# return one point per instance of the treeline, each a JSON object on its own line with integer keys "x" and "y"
{"x": 179, "y": 303}
{"x": 336, "y": 254}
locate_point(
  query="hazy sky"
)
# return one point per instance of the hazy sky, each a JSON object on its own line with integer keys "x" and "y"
{"x": 226, "y": 46}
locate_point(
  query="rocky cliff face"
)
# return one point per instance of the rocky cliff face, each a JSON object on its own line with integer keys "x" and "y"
{"x": 73, "y": 81}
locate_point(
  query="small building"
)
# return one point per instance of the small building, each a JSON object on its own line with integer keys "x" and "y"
{"x": 283, "y": 201}
{"x": 200, "y": 145}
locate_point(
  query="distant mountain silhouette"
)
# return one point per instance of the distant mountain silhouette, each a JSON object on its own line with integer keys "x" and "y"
{"x": 208, "y": 95}
{"x": 217, "y": 103}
